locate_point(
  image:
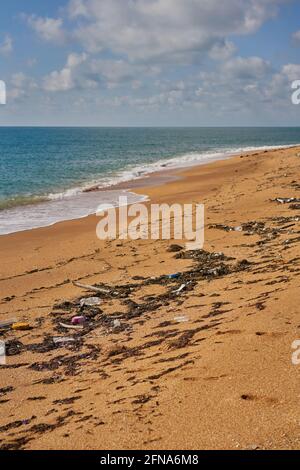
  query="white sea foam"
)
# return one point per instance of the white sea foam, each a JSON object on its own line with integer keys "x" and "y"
{"x": 146, "y": 169}
{"x": 48, "y": 213}
{"x": 75, "y": 203}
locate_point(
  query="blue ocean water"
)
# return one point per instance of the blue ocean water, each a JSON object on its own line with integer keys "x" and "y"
{"x": 55, "y": 165}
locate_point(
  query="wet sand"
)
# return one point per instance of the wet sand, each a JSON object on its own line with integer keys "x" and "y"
{"x": 221, "y": 379}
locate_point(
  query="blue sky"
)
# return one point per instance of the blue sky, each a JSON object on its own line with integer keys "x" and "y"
{"x": 150, "y": 62}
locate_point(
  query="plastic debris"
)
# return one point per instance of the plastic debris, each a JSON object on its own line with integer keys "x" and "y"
{"x": 78, "y": 320}
{"x": 227, "y": 228}
{"x": 181, "y": 319}
{"x": 63, "y": 339}
{"x": 20, "y": 326}
{"x": 117, "y": 323}
{"x": 71, "y": 327}
{"x": 7, "y": 323}
{"x": 286, "y": 200}
{"x": 174, "y": 276}
{"x": 180, "y": 289}
{"x": 90, "y": 302}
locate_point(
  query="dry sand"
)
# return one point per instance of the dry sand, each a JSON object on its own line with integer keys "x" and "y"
{"x": 221, "y": 380}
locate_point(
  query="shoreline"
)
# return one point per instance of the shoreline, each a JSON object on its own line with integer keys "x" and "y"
{"x": 130, "y": 188}
{"x": 179, "y": 370}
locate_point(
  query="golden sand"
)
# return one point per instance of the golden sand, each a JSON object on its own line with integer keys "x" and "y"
{"x": 222, "y": 379}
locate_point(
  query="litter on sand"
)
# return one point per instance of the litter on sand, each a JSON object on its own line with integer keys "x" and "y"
{"x": 174, "y": 276}
{"x": 90, "y": 302}
{"x": 117, "y": 323}
{"x": 79, "y": 320}
{"x": 180, "y": 289}
{"x": 91, "y": 288}
{"x": 286, "y": 200}
{"x": 62, "y": 339}
{"x": 21, "y": 326}
{"x": 7, "y": 323}
{"x": 227, "y": 228}
{"x": 71, "y": 327}
{"x": 181, "y": 319}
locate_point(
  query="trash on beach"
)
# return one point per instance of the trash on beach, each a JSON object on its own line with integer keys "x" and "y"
{"x": 227, "y": 228}
{"x": 181, "y": 319}
{"x": 71, "y": 327}
{"x": 21, "y": 326}
{"x": 286, "y": 200}
{"x": 218, "y": 271}
{"x": 13, "y": 347}
{"x": 174, "y": 276}
{"x": 78, "y": 320}
{"x": 180, "y": 289}
{"x": 90, "y": 302}
{"x": 101, "y": 290}
{"x": 63, "y": 339}
{"x": 117, "y": 323}
{"x": 7, "y": 323}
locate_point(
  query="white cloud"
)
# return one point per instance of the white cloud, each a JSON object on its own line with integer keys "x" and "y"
{"x": 77, "y": 8}
{"x": 116, "y": 72}
{"x": 59, "y": 80}
{"x": 222, "y": 50}
{"x": 291, "y": 71}
{"x": 20, "y": 85}
{"x": 18, "y": 79}
{"x": 148, "y": 29}
{"x": 296, "y": 35}
{"x": 150, "y": 41}
{"x": 81, "y": 71}
{"x": 279, "y": 87}
{"x": 6, "y": 46}
{"x": 235, "y": 84}
{"x": 145, "y": 38}
{"x": 249, "y": 68}
{"x": 64, "y": 79}
{"x": 48, "y": 29}
{"x": 76, "y": 59}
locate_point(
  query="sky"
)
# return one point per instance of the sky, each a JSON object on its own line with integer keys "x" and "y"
{"x": 150, "y": 62}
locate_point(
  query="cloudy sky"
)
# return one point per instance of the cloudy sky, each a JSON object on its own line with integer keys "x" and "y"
{"x": 150, "y": 62}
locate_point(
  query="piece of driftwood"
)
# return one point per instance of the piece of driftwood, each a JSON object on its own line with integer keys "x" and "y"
{"x": 92, "y": 288}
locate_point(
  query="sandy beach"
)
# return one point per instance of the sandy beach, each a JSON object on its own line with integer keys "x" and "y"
{"x": 137, "y": 377}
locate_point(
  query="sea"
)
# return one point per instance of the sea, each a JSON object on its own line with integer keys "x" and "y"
{"x": 46, "y": 173}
